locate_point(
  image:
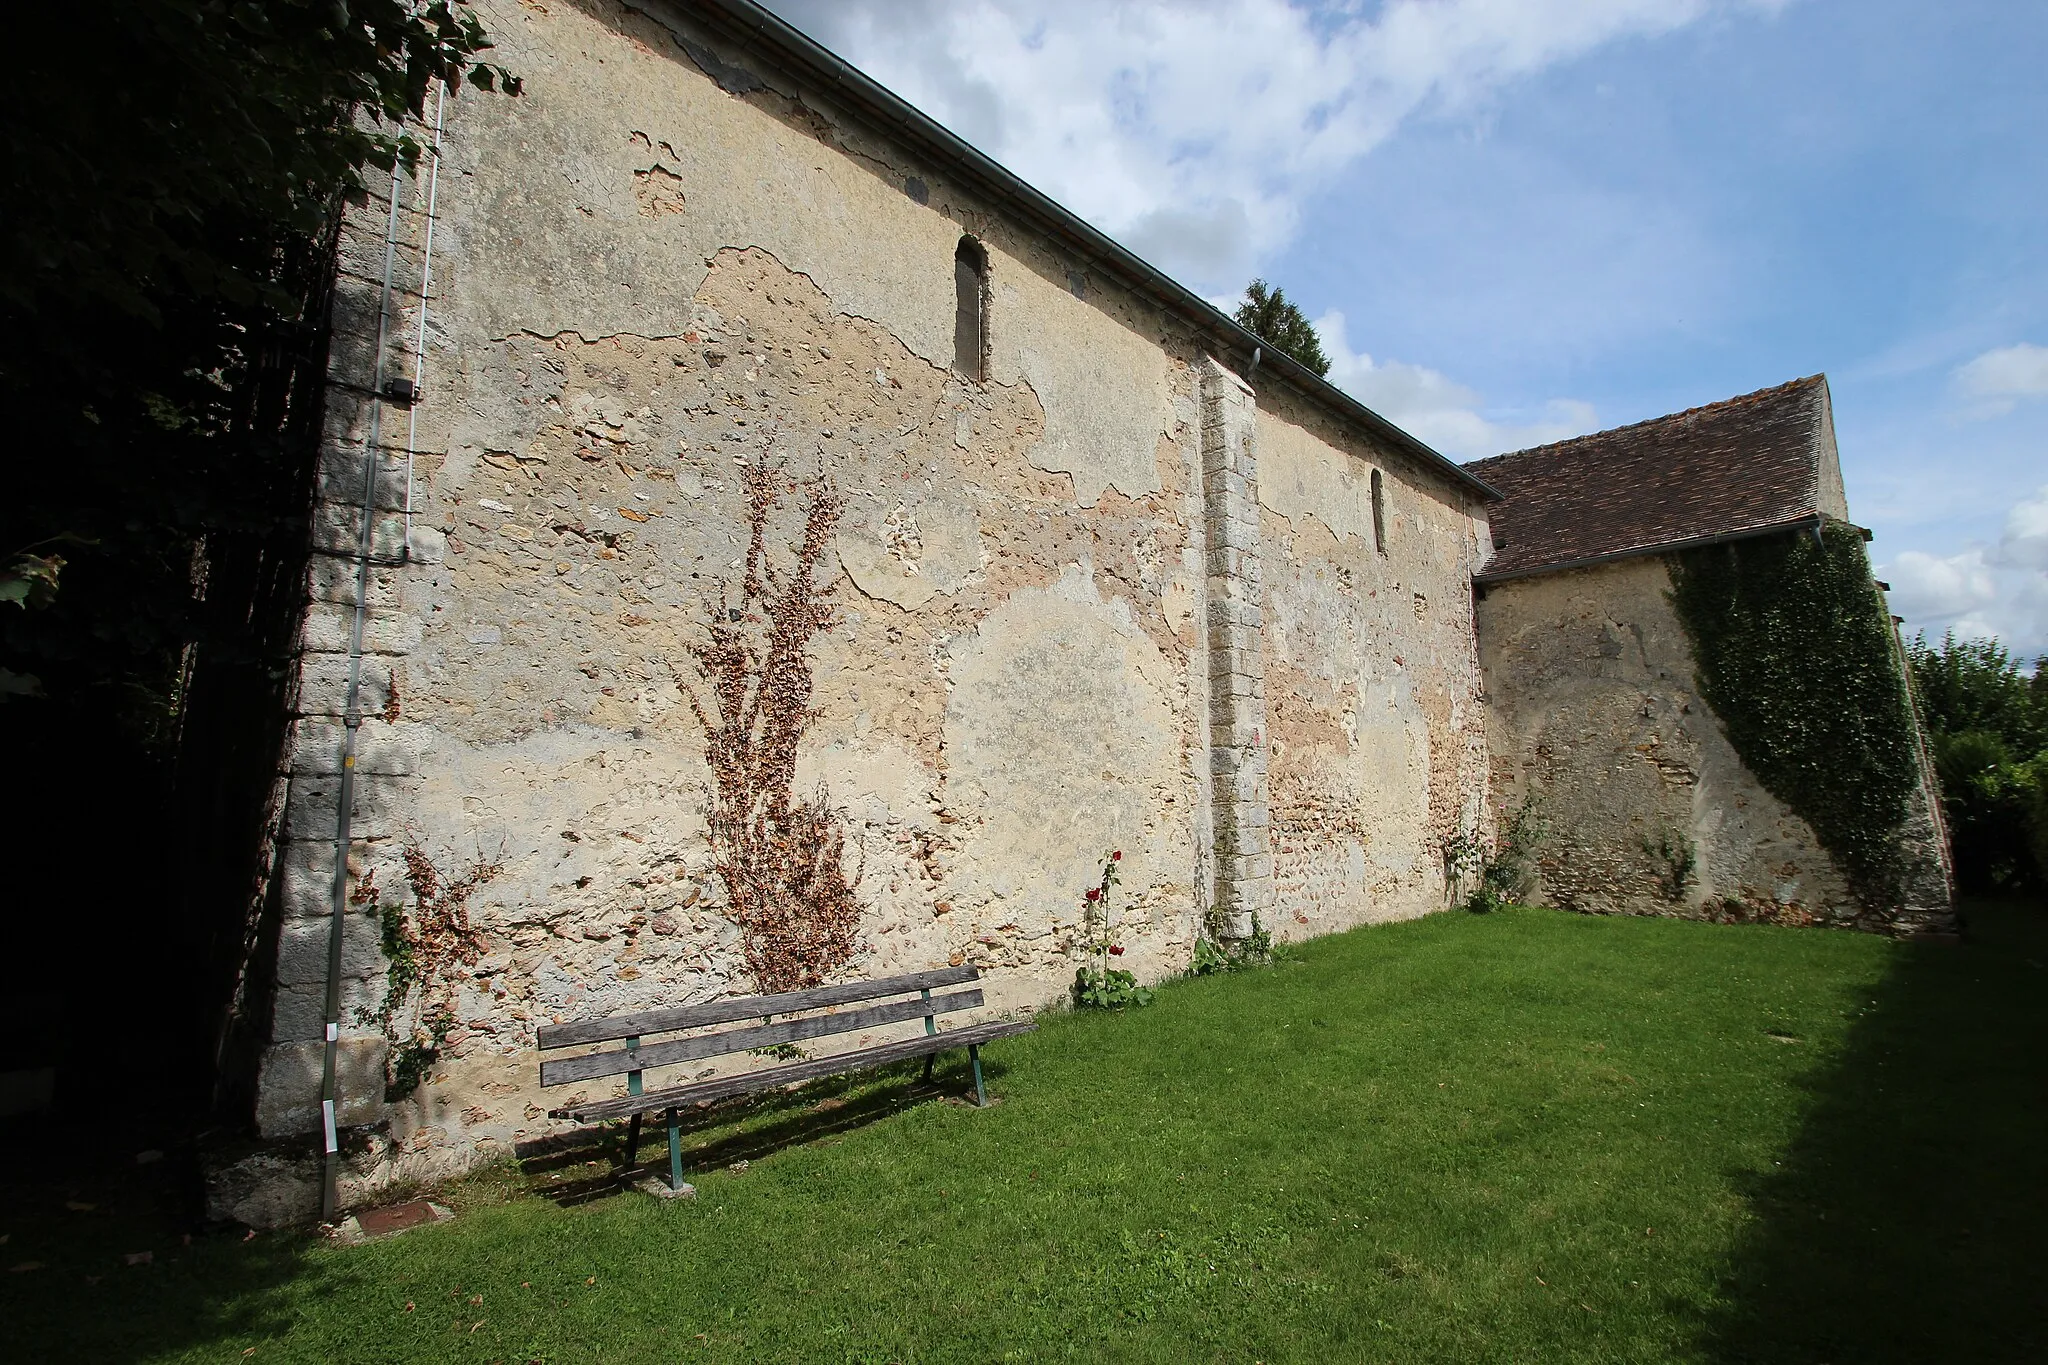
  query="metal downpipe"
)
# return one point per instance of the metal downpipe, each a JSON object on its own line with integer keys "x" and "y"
{"x": 351, "y": 721}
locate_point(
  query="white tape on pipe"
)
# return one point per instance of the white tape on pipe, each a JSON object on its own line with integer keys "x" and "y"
{"x": 333, "y": 1032}
{"x": 327, "y": 1118}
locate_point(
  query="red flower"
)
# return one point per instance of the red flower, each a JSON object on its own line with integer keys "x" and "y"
{"x": 1094, "y": 893}
{"x": 1115, "y": 951}
{"x": 1117, "y": 856}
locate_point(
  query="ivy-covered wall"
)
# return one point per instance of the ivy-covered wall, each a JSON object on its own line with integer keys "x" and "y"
{"x": 1612, "y": 705}
{"x": 1797, "y": 656}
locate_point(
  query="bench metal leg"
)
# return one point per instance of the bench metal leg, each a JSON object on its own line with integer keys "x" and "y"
{"x": 632, "y": 1140}
{"x": 980, "y": 1095}
{"x": 675, "y": 1152}
{"x": 929, "y": 1058}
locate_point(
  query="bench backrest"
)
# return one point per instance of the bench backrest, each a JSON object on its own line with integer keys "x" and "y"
{"x": 638, "y": 1055}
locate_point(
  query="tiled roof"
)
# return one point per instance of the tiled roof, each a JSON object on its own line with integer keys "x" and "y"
{"x": 1724, "y": 469}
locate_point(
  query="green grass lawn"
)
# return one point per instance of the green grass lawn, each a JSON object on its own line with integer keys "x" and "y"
{"x": 1521, "y": 1137}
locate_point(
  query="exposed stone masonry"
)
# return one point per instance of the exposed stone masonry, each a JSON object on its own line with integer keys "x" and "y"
{"x": 1237, "y": 685}
{"x": 388, "y": 748}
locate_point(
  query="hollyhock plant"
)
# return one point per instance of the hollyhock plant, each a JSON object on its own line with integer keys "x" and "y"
{"x": 1102, "y": 986}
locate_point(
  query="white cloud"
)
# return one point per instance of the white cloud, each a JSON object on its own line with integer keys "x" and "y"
{"x": 1929, "y": 587}
{"x": 1995, "y": 379}
{"x": 2000, "y": 590}
{"x": 2025, "y": 542}
{"x": 1193, "y": 129}
{"x": 1443, "y": 413}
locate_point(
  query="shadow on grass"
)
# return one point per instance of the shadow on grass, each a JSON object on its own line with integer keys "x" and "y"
{"x": 1906, "y": 1222}
{"x": 591, "y": 1165}
{"x": 104, "y": 1258}
{"x": 74, "y": 1212}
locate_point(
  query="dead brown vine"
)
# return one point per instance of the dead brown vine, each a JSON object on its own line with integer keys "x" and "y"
{"x": 425, "y": 950}
{"x": 782, "y": 859}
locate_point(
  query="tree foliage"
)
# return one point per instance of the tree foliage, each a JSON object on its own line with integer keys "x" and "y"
{"x": 226, "y": 115}
{"x": 1268, "y": 315}
{"x": 162, "y": 238}
{"x": 173, "y": 171}
{"x": 1989, "y": 725}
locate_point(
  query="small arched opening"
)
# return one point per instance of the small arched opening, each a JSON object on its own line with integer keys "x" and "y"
{"x": 1379, "y": 512}
{"x": 970, "y": 309}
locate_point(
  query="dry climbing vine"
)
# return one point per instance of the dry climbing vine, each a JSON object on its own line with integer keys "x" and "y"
{"x": 425, "y": 949}
{"x": 782, "y": 859}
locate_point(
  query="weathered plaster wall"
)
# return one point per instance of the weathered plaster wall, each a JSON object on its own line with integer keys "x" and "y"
{"x": 1592, "y": 708}
{"x": 1377, "y": 738}
{"x": 1830, "y": 498}
{"x": 1052, "y": 639}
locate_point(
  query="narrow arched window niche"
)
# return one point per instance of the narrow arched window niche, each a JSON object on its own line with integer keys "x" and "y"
{"x": 970, "y": 309}
{"x": 1379, "y": 512}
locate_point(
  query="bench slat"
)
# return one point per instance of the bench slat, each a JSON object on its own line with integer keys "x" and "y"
{"x": 725, "y": 1087}
{"x": 726, "y": 1011}
{"x": 651, "y": 1055}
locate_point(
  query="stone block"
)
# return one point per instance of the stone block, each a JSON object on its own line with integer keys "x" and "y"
{"x": 1236, "y": 924}
{"x": 1234, "y": 533}
{"x": 1232, "y": 573}
{"x": 380, "y": 749}
{"x": 378, "y": 807}
{"x": 1224, "y": 449}
{"x": 1238, "y": 730}
{"x": 1225, "y": 706}
{"x": 338, "y": 529}
{"x": 429, "y": 546}
{"x": 345, "y": 421}
{"x": 1226, "y": 682}
{"x": 329, "y": 627}
{"x": 1220, "y": 380}
{"x": 299, "y": 1014}
{"x": 323, "y": 682}
{"x": 302, "y": 949}
{"x": 1234, "y": 609}
{"x": 1230, "y": 489}
{"x": 1225, "y": 566}
{"x": 332, "y": 578}
{"x": 288, "y": 1085}
{"x": 1234, "y": 657}
{"x": 1246, "y": 896}
{"x": 264, "y": 1190}
{"x": 1238, "y": 839}
{"x": 343, "y": 478}
{"x": 305, "y": 869}
{"x": 1246, "y": 784}
{"x": 360, "y": 253}
{"x": 1226, "y": 762}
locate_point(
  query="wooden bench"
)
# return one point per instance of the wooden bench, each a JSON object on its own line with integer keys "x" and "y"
{"x": 807, "y": 1014}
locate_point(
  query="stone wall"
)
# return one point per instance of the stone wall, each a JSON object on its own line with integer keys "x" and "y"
{"x": 1053, "y": 636}
{"x": 1593, "y": 709}
{"x": 1378, "y": 740}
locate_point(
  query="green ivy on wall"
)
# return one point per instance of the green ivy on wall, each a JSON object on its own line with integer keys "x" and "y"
{"x": 1796, "y": 656}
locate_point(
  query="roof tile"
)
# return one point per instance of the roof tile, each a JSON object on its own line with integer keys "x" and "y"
{"x": 1744, "y": 464}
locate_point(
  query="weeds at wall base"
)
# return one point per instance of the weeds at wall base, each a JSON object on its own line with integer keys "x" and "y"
{"x": 1214, "y": 955}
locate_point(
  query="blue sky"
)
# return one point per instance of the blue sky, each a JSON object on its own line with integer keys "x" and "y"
{"x": 1517, "y": 220}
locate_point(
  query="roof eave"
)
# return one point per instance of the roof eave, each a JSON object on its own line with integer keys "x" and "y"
{"x": 1800, "y": 522}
